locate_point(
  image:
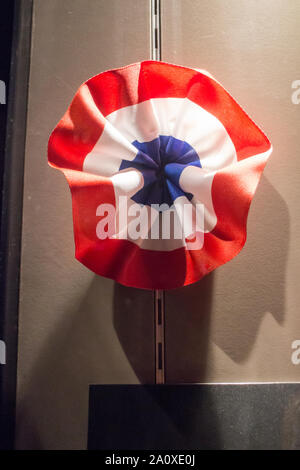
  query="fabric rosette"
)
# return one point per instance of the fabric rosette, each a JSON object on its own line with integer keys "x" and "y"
{"x": 162, "y": 164}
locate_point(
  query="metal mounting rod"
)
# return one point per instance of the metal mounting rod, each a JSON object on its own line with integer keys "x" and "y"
{"x": 159, "y": 297}
{"x": 159, "y": 313}
{"x": 155, "y": 30}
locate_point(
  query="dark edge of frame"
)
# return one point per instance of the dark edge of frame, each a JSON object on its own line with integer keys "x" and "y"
{"x": 11, "y": 216}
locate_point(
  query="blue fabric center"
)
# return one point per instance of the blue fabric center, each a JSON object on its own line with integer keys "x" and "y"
{"x": 161, "y": 162}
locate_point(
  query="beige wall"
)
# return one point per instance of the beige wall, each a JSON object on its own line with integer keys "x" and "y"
{"x": 75, "y": 328}
{"x": 238, "y": 323}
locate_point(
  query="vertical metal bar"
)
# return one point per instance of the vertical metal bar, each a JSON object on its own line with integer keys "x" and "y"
{"x": 159, "y": 300}
{"x": 159, "y": 314}
{"x": 155, "y": 30}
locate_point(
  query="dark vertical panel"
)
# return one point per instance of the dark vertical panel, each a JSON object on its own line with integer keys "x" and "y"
{"x": 11, "y": 216}
{"x": 6, "y": 26}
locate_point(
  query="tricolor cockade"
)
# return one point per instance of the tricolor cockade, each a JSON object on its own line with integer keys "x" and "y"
{"x": 163, "y": 164}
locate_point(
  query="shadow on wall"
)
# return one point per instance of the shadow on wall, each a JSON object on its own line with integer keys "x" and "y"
{"x": 133, "y": 321}
{"x": 82, "y": 349}
{"x": 259, "y": 273}
{"x": 244, "y": 291}
{"x": 184, "y": 320}
{"x": 248, "y": 287}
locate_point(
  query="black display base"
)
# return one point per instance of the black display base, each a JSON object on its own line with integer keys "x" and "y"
{"x": 167, "y": 417}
